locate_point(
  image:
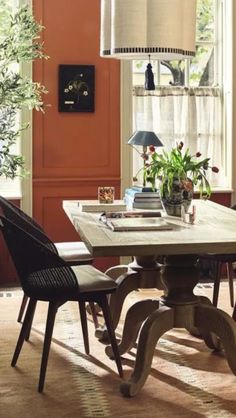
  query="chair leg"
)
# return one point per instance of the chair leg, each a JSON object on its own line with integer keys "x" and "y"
{"x": 234, "y": 313}
{"x": 84, "y": 325}
{"x": 108, "y": 321}
{"x": 52, "y": 310}
{"x": 94, "y": 314}
{"x": 30, "y": 325}
{"x": 217, "y": 283}
{"x": 230, "y": 274}
{"x": 22, "y": 307}
{"x": 24, "y": 329}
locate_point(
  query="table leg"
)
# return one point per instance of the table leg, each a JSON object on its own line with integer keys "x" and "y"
{"x": 210, "y": 339}
{"x": 126, "y": 284}
{"x": 133, "y": 321}
{"x": 180, "y": 308}
{"x": 159, "y": 322}
{"x": 143, "y": 273}
{"x": 116, "y": 271}
{"x": 216, "y": 321}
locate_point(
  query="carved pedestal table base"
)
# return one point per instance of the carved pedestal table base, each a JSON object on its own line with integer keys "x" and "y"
{"x": 179, "y": 308}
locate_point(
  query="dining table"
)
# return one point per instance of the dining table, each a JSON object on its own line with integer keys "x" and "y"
{"x": 178, "y": 248}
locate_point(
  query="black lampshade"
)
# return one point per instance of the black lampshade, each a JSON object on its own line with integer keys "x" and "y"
{"x": 145, "y": 138}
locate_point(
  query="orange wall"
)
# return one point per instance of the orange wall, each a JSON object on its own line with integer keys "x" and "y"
{"x": 73, "y": 153}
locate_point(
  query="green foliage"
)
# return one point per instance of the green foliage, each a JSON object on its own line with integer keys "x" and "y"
{"x": 177, "y": 165}
{"x": 19, "y": 43}
{"x": 205, "y": 20}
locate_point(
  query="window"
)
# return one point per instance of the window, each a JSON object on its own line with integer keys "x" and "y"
{"x": 190, "y": 98}
{"x": 12, "y": 188}
{"x": 17, "y": 188}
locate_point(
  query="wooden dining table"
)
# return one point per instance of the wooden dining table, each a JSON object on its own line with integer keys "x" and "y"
{"x": 213, "y": 231}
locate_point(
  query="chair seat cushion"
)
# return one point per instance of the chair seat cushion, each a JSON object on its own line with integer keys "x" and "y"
{"x": 90, "y": 279}
{"x": 67, "y": 282}
{"x": 73, "y": 251}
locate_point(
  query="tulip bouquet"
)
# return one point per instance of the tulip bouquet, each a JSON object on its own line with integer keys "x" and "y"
{"x": 177, "y": 165}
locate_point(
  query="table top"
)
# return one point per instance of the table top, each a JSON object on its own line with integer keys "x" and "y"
{"x": 214, "y": 231}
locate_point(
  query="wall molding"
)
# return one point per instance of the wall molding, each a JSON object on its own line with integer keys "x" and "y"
{"x": 126, "y": 124}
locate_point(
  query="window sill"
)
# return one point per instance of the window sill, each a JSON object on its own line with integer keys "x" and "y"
{"x": 10, "y": 196}
{"x": 219, "y": 190}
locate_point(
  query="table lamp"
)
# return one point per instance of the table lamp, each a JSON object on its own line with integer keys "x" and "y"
{"x": 145, "y": 139}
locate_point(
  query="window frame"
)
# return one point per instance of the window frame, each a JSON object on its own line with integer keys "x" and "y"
{"x": 24, "y": 191}
{"x": 227, "y": 14}
{"x": 27, "y": 140}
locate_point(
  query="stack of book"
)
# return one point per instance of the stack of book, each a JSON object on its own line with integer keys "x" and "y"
{"x": 135, "y": 198}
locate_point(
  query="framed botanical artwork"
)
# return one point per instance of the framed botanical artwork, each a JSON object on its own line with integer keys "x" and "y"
{"x": 76, "y": 88}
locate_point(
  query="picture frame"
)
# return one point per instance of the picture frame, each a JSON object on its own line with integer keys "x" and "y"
{"x": 76, "y": 88}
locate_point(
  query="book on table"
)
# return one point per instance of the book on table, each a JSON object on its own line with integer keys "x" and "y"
{"x": 143, "y": 189}
{"x": 145, "y": 200}
{"x": 95, "y": 206}
{"x": 138, "y": 224}
{"x": 142, "y": 194}
{"x": 131, "y": 214}
{"x": 148, "y": 205}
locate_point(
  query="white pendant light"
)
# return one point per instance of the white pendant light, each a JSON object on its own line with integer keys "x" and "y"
{"x": 163, "y": 29}
{"x": 105, "y": 28}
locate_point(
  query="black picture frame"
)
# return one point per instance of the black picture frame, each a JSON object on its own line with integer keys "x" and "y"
{"x": 76, "y": 88}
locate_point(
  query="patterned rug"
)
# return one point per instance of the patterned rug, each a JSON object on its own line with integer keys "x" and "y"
{"x": 186, "y": 379}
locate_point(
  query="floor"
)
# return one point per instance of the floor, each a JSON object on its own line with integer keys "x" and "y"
{"x": 186, "y": 379}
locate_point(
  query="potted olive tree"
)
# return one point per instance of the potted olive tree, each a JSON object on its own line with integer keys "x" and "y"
{"x": 19, "y": 43}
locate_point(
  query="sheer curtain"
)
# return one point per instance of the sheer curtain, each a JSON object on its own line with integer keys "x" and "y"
{"x": 191, "y": 115}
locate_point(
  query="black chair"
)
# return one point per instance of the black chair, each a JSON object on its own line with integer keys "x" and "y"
{"x": 234, "y": 313}
{"x": 217, "y": 263}
{"x": 74, "y": 253}
{"x": 47, "y": 277}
